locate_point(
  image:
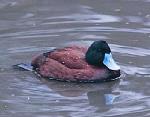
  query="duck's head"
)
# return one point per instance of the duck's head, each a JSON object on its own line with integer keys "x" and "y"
{"x": 99, "y": 54}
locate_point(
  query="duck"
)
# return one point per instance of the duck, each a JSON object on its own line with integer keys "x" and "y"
{"x": 78, "y": 64}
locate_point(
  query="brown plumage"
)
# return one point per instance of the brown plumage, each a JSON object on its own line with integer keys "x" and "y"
{"x": 69, "y": 64}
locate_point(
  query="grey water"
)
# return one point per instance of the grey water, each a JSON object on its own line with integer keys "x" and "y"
{"x": 30, "y": 27}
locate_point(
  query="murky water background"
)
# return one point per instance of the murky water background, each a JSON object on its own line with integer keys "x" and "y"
{"x": 29, "y": 27}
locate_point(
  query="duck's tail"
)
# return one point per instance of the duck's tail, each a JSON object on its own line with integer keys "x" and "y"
{"x": 24, "y": 66}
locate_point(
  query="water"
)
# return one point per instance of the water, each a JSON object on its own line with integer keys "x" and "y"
{"x": 29, "y": 27}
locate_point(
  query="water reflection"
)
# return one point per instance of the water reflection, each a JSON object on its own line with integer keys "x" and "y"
{"x": 102, "y": 99}
{"x": 99, "y": 95}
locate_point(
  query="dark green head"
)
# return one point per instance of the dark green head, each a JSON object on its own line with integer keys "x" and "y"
{"x": 99, "y": 54}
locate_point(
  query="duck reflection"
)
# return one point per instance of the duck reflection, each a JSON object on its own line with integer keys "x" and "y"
{"x": 102, "y": 99}
{"x": 100, "y": 95}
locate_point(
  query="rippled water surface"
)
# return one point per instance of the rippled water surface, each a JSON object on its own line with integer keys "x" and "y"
{"x": 29, "y": 27}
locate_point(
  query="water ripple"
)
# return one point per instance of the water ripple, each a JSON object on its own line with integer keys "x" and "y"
{"x": 136, "y": 51}
{"x": 132, "y": 70}
{"x": 50, "y": 32}
{"x": 87, "y": 18}
{"x": 28, "y": 49}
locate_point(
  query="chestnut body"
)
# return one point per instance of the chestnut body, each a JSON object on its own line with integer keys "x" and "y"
{"x": 70, "y": 64}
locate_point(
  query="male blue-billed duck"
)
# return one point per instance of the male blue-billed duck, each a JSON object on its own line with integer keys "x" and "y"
{"x": 79, "y": 64}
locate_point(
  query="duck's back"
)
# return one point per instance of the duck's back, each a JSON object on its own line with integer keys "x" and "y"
{"x": 67, "y": 64}
{"x": 70, "y": 57}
